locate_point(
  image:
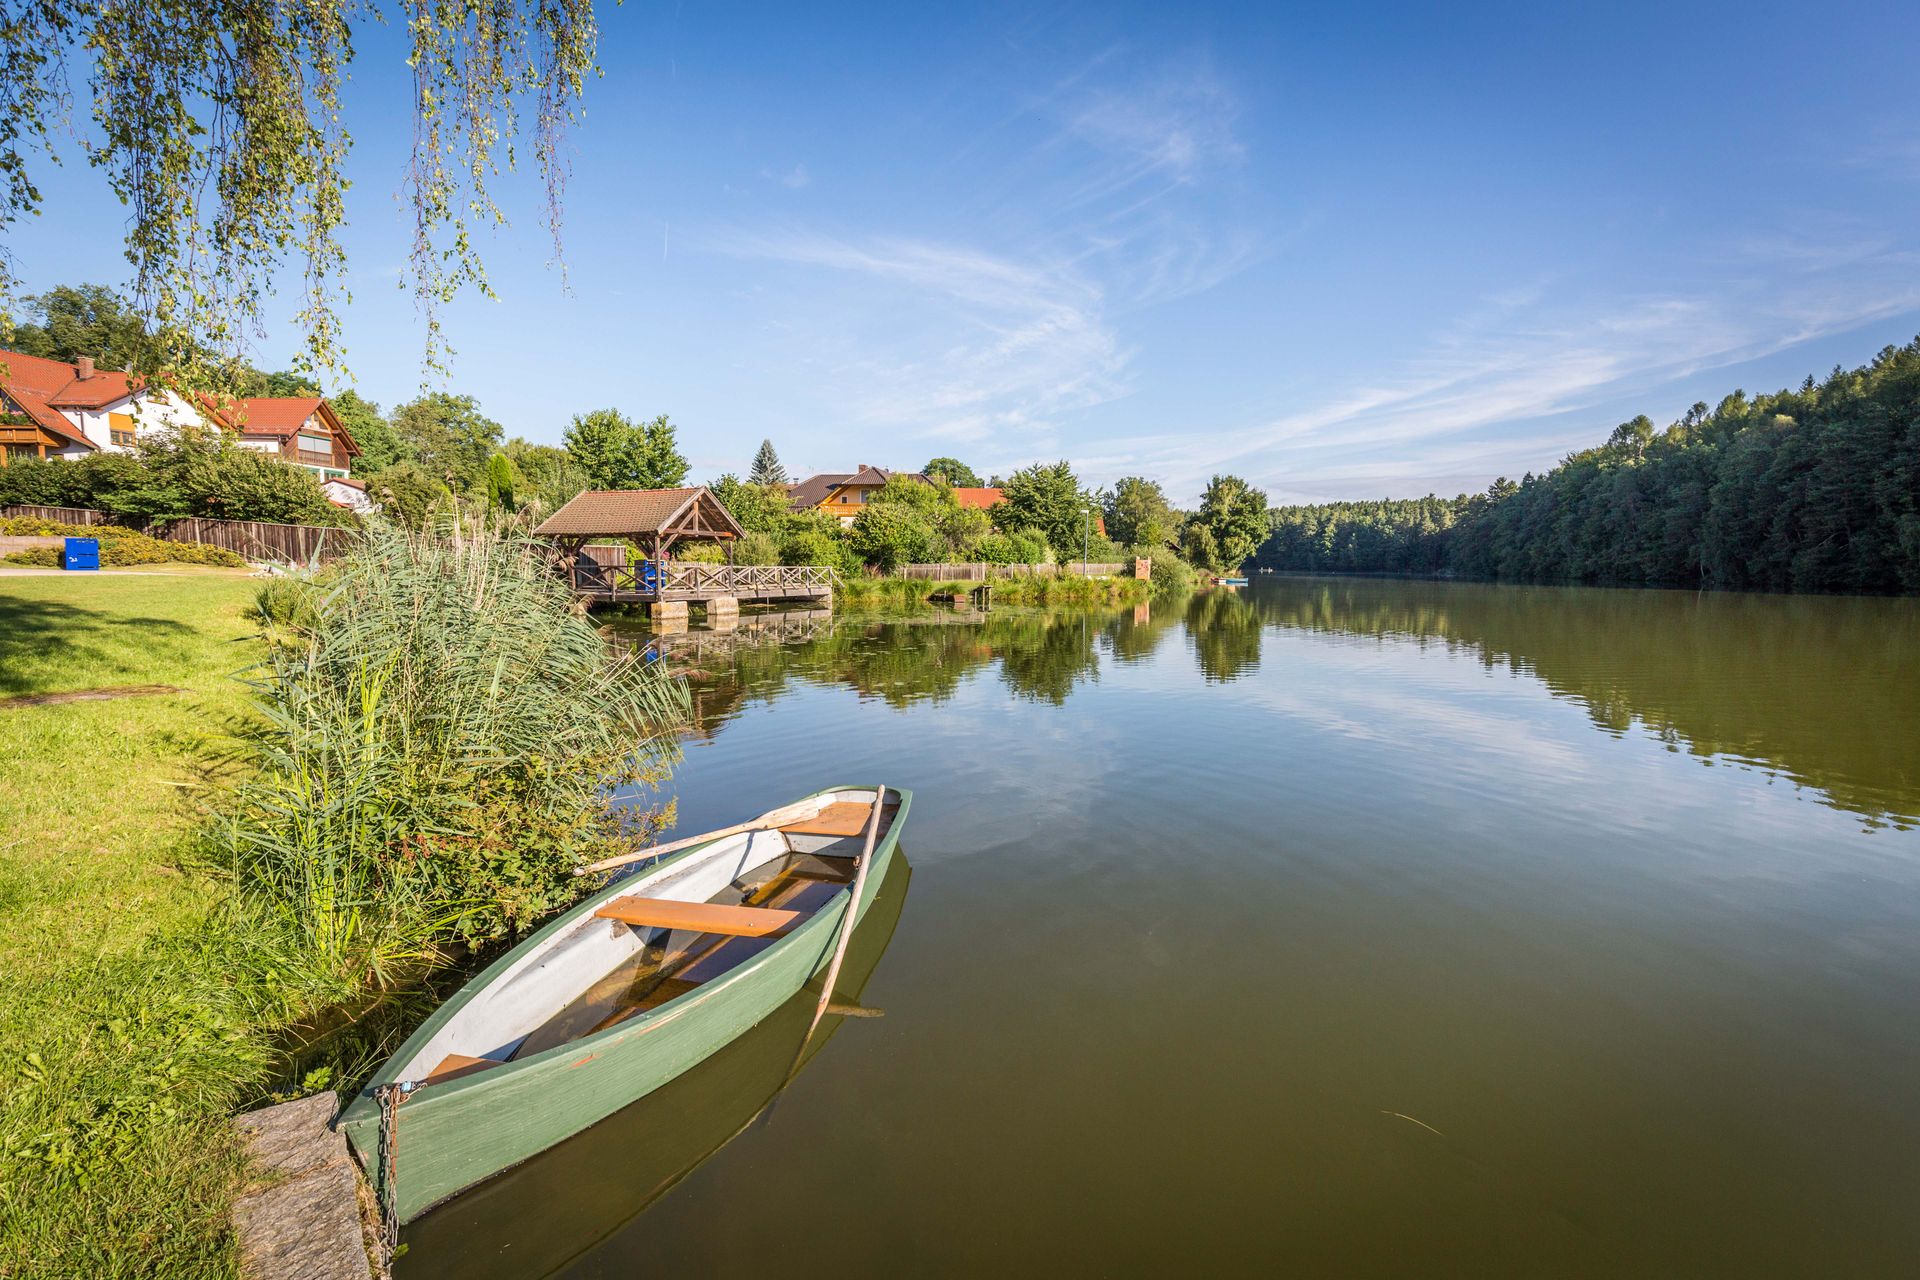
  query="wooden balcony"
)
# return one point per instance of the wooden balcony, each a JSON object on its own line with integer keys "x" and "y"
{"x": 312, "y": 458}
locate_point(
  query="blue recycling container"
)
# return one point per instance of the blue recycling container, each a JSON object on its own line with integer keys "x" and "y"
{"x": 649, "y": 575}
{"x": 81, "y": 553}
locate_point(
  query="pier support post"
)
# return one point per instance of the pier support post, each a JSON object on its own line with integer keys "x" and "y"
{"x": 723, "y": 612}
{"x": 668, "y": 611}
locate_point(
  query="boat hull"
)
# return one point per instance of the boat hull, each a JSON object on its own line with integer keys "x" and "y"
{"x": 454, "y": 1135}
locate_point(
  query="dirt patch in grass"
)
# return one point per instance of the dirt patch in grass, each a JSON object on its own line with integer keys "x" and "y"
{"x": 88, "y": 695}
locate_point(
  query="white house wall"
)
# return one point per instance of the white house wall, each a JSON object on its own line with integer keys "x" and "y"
{"x": 154, "y": 413}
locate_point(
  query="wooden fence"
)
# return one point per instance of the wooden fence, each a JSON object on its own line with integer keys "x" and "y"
{"x": 63, "y": 515}
{"x": 983, "y": 572}
{"x": 255, "y": 539}
{"x": 259, "y": 540}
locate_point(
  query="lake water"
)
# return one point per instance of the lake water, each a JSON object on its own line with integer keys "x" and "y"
{"x": 1328, "y": 928}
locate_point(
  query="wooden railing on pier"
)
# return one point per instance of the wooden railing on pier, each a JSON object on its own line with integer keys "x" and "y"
{"x": 640, "y": 581}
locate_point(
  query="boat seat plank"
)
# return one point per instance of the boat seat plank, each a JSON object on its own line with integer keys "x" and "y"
{"x": 701, "y": 917}
{"x": 455, "y": 1065}
{"x": 841, "y": 818}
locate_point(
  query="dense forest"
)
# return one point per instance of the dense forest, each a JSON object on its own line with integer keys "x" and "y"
{"x": 1810, "y": 490}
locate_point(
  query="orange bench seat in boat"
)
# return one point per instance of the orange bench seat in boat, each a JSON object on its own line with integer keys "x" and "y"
{"x": 841, "y": 818}
{"x": 701, "y": 917}
{"x": 455, "y": 1065}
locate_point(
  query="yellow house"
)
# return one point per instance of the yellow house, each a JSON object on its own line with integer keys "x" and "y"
{"x": 842, "y": 494}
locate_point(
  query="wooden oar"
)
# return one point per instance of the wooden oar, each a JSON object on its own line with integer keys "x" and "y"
{"x": 853, "y": 909}
{"x": 794, "y": 812}
{"x": 833, "y": 967}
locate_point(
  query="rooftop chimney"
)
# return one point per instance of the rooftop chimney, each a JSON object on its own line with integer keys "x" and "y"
{"x": 83, "y": 367}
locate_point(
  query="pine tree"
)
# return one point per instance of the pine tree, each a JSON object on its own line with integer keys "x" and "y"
{"x": 766, "y": 466}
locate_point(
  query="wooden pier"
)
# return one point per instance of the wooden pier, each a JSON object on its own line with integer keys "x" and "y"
{"x": 646, "y": 582}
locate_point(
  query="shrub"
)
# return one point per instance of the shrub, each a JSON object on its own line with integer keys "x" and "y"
{"x": 445, "y": 739}
{"x": 406, "y": 494}
{"x": 1171, "y": 574}
{"x": 757, "y": 548}
{"x": 760, "y": 508}
{"x": 815, "y": 546}
{"x": 118, "y": 547}
{"x": 696, "y": 553}
{"x": 890, "y": 534}
{"x": 1023, "y": 546}
{"x": 182, "y": 475}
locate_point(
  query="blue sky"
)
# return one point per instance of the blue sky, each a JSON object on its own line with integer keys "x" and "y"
{"x": 1345, "y": 251}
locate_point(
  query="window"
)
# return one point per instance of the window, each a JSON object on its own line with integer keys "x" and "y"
{"x": 316, "y": 444}
{"x": 120, "y": 429}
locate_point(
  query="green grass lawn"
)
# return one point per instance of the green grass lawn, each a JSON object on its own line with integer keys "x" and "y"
{"x": 123, "y": 1045}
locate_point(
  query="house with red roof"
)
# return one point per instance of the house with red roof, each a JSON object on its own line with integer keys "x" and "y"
{"x": 69, "y": 409}
{"x": 301, "y": 430}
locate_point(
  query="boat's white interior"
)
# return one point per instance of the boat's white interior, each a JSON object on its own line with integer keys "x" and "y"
{"x": 495, "y": 1024}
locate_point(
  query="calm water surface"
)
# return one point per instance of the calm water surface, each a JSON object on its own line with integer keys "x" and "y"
{"x": 1328, "y": 928}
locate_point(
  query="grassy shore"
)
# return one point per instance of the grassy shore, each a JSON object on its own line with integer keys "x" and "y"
{"x": 124, "y": 1046}
{"x": 868, "y": 593}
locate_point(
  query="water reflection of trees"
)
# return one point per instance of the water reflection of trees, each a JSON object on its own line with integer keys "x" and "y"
{"x": 1825, "y": 690}
{"x": 1044, "y": 655}
{"x": 1225, "y": 630}
{"x": 1041, "y": 655}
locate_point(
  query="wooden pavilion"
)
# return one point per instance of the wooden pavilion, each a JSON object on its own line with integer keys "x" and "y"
{"x": 656, "y": 520}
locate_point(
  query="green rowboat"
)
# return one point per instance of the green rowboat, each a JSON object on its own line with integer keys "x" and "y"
{"x": 578, "y": 1206}
{"x": 640, "y": 982}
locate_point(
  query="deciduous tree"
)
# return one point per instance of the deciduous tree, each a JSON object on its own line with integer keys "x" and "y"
{"x": 1139, "y": 515}
{"x": 219, "y": 126}
{"x": 890, "y": 534}
{"x": 1047, "y": 498}
{"x": 71, "y": 321}
{"x": 547, "y": 474}
{"x": 614, "y": 452}
{"x": 449, "y": 437}
{"x": 760, "y": 508}
{"x": 1233, "y": 515}
{"x": 953, "y": 471}
{"x": 380, "y": 447}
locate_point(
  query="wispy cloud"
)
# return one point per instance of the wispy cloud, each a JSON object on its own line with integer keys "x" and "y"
{"x": 1505, "y": 391}
{"x": 1891, "y": 155}
{"x": 1172, "y": 125}
{"x": 992, "y": 339}
{"x": 946, "y": 341}
{"x": 792, "y": 179}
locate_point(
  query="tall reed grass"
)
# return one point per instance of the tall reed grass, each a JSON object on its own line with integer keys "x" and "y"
{"x": 444, "y": 738}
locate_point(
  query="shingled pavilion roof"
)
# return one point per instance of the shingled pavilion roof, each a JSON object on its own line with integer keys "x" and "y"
{"x": 641, "y": 513}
